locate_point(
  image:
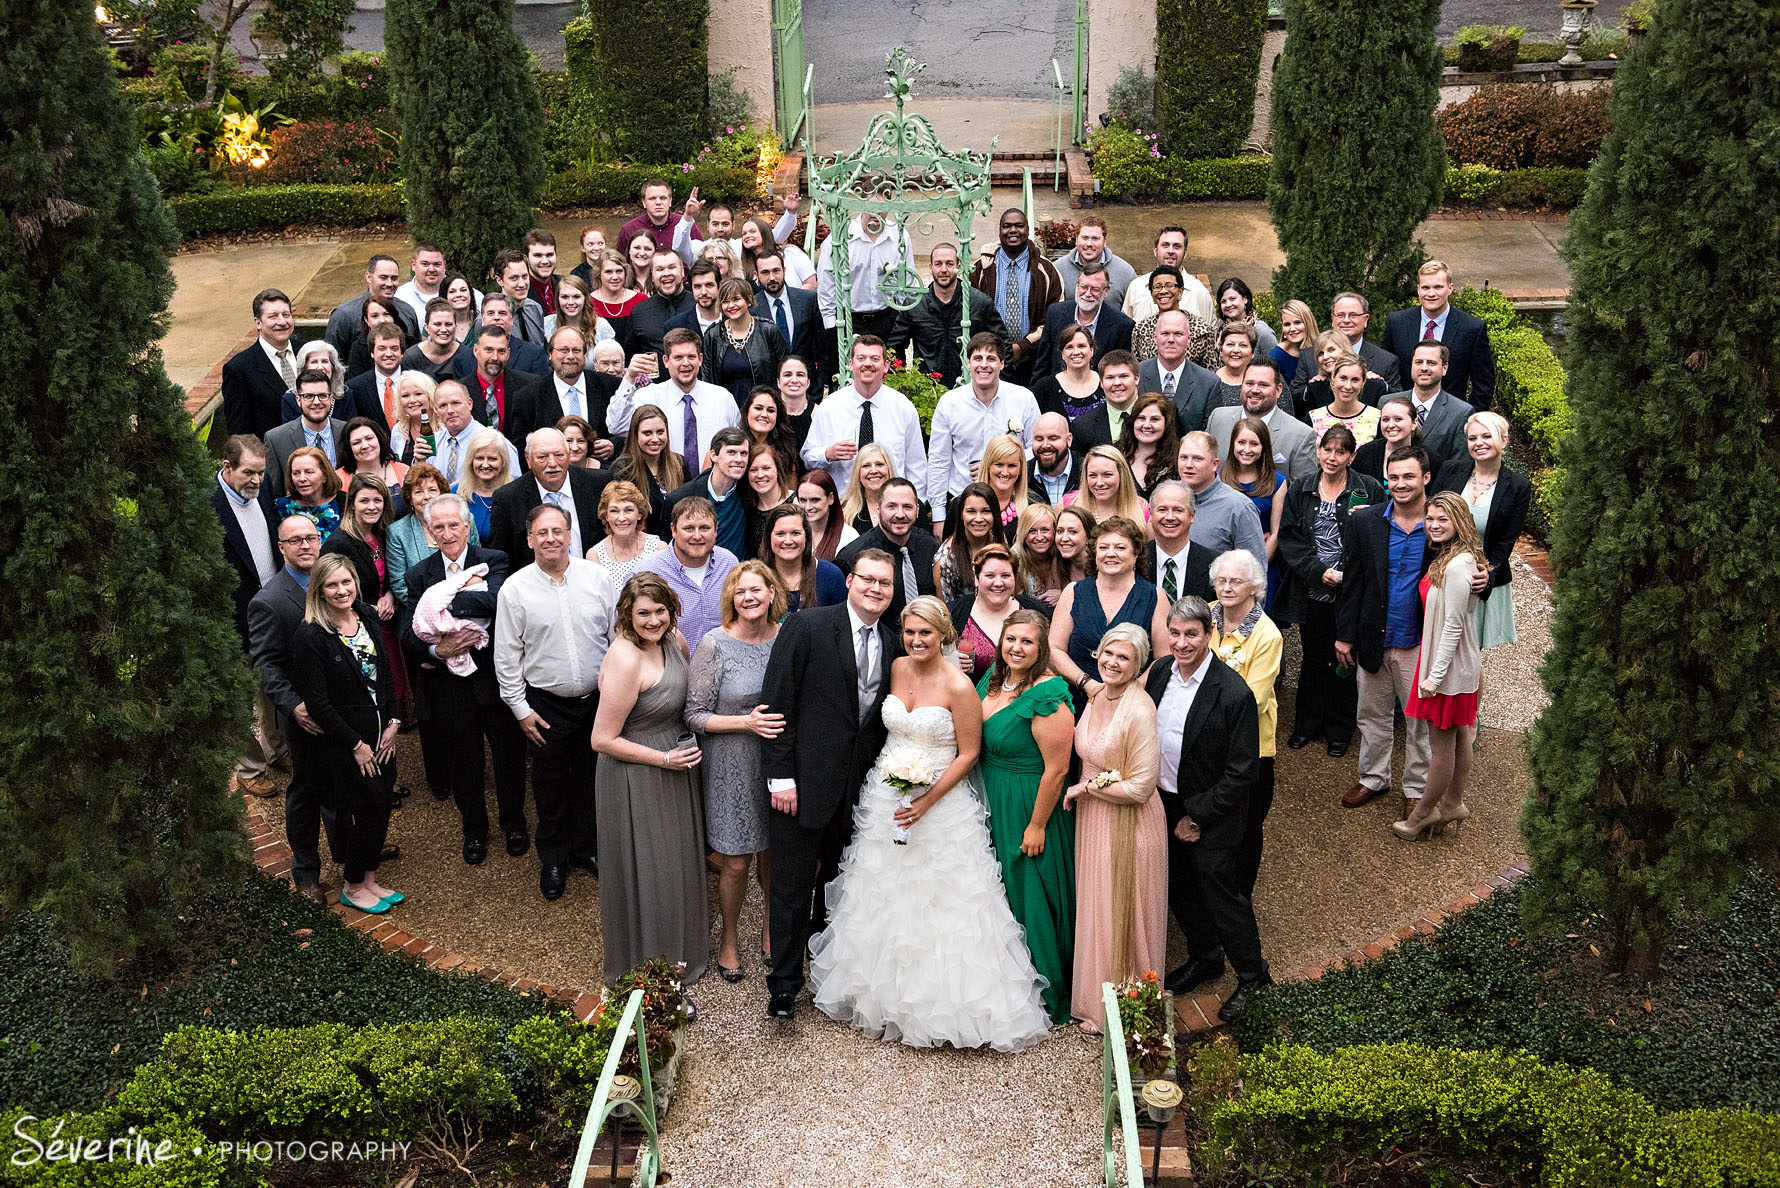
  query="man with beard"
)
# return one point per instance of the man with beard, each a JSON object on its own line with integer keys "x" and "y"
{"x": 1023, "y": 285}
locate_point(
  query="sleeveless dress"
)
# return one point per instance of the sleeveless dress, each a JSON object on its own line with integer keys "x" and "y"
{"x": 921, "y": 947}
{"x": 651, "y": 821}
{"x": 1090, "y": 620}
{"x": 1264, "y": 509}
{"x": 1041, "y": 890}
{"x": 1494, "y": 616}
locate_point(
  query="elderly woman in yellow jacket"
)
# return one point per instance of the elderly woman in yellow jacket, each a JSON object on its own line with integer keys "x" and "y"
{"x": 1243, "y": 637}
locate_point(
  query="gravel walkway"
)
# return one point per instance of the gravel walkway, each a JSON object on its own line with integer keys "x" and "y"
{"x": 813, "y": 1102}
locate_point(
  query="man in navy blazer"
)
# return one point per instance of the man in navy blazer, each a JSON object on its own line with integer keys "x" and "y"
{"x": 244, "y": 509}
{"x": 802, "y": 314}
{"x": 457, "y": 712}
{"x": 1110, "y": 328}
{"x": 254, "y": 380}
{"x": 1471, "y": 369}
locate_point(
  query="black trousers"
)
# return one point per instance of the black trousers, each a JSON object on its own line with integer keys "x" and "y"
{"x": 461, "y": 724}
{"x": 1210, "y": 900}
{"x": 562, "y": 776}
{"x": 305, "y": 816}
{"x": 363, "y": 828}
{"x": 1328, "y": 704}
{"x": 804, "y": 860}
{"x": 1259, "y": 802}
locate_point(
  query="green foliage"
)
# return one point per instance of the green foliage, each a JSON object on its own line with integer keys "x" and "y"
{"x": 1519, "y": 126}
{"x": 1304, "y": 1117}
{"x": 1130, "y": 169}
{"x": 1556, "y": 187}
{"x": 1357, "y": 162}
{"x": 1131, "y": 100}
{"x": 328, "y": 154}
{"x": 727, "y": 106}
{"x": 40, "y": 1154}
{"x": 1208, "y": 55}
{"x": 1710, "y": 1035}
{"x": 644, "y": 107}
{"x": 1488, "y": 34}
{"x": 472, "y": 148}
{"x": 1601, "y": 45}
{"x": 267, "y": 208}
{"x": 923, "y": 388}
{"x": 125, "y": 694}
{"x": 1529, "y": 385}
{"x": 1639, "y": 15}
{"x": 360, "y": 92}
{"x": 1657, "y": 780}
{"x": 568, "y": 124}
{"x": 311, "y": 31}
{"x": 180, "y": 70}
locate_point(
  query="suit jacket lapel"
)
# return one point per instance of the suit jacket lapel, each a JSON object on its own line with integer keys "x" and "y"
{"x": 1203, "y": 702}
{"x": 844, "y": 642}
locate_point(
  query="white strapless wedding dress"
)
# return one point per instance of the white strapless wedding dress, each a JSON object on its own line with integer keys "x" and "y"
{"x": 921, "y": 946}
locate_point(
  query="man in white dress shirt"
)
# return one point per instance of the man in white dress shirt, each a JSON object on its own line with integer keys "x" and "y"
{"x": 695, "y": 409}
{"x": 1171, "y": 248}
{"x": 457, "y": 425}
{"x": 1294, "y": 442}
{"x": 967, "y": 417}
{"x": 865, "y": 412}
{"x": 872, "y": 247}
{"x": 721, "y": 221}
{"x": 427, "y": 269}
{"x": 554, "y": 625}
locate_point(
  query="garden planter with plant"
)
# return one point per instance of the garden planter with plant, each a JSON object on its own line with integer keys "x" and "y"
{"x": 1489, "y": 47}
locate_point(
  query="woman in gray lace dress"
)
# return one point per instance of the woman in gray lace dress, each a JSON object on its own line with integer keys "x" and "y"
{"x": 724, "y": 706}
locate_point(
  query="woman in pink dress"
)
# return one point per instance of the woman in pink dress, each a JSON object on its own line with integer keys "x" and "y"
{"x": 1121, "y": 837}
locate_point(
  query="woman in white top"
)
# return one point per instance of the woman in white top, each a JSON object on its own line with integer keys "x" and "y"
{"x": 626, "y": 546}
{"x": 798, "y": 269}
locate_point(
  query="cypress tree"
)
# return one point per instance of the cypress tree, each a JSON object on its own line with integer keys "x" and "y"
{"x": 1357, "y": 160}
{"x": 123, "y": 696}
{"x": 472, "y": 126}
{"x": 1656, "y": 767}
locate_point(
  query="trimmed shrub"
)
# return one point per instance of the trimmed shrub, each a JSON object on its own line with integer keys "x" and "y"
{"x": 1208, "y": 55}
{"x": 1515, "y": 189}
{"x": 178, "y": 1154}
{"x": 1131, "y": 100}
{"x": 619, "y": 185}
{"x": 644, "y": 107}
{"x": 1521, "y": 126}
{"x": 327, "y": 154}
{"x": 268, "y": 208}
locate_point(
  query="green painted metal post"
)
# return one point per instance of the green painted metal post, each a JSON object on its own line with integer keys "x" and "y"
{"x": 1057, "y": 140}
{"x": 1121, "y": 1110}
{"x": 642, "y": 1107}
{"x": 1081, "y": 72}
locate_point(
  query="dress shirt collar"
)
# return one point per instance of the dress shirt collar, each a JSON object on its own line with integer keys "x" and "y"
{"x": 1019, "y": 261}
{"x": 1192, "y": 680}
{"x": 1163, "y": 553}
{"x": 235, "y": 497}
{"x": 544, "y": 493}
{"x": 1438, "y": 319}
{"x": 856, "y": 622}
{"x": 302, "y": 579}
{"x": 461, "y": 560}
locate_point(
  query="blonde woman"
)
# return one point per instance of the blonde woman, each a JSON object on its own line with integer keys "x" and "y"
{"x": 1319, "y": 389}
{"x": 488, "y": 469}
{"x": 411, "y": 437}
{"x": 1042, "y": 572}
{"x": 1003, "y": 467}
{"x": 1346, "y": 382}
{"x": 872, "y": 468}
{"x": 1498, "y": 498}
{"x": 1297, "y": 342}
{"x": 1449, "y": 671}
{"x": 1108, "y": 488}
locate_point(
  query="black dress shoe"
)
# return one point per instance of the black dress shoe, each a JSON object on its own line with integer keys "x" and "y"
{"x": 1194, "y": 973}
{"x": 550, "y": 882}
{"x": 1337, "y": 749}
{"x": 1298, "y": 741}
{"x": 475, "y": 850}
{"x": 781, "y": 1006}
{"x": 589, "y": 864}
{"x": 440, "y": 793}
{"x": 402, "y": 791}
{"x": 1240, "y": 995}
{"x": 390, "y": 853}
{"x": 517, "y": 842}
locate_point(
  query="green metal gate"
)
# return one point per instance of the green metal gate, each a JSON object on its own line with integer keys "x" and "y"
{"x": 788, "y": 60}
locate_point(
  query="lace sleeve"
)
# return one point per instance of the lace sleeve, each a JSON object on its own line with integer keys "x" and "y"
{"x": 703, "y": 681}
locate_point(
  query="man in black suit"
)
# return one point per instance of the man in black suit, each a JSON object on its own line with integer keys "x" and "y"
{"x": 244, "y": 509}
{"x": 272, "y": 618}
{"x": 504, "y": 397}
{"x": 795, "y": 312}
{"x": 1350, "y": 314}
{"x": 1171, "y": 559}
{"x": 1210, "y": 732}
{"x": 255, "y": 379}
{"x": 457, "y": 712}
{"x": 912, "y": 548}
{"x": 828, "y": 675}
{"x": 549, "y": 479}
{"x": 1471, "y": 370}
{"x": 1055, "y": 469}
{"x": 570, "y": 389}
{"x": 524, "y": 356}
{"x": 649, "y": 320}
{"x": 1102, "y": 425}
{"x": 1440, "y": 414}
{"x": 318, "y": 427}
{"x": 1110, "y": 328}
{"x": 372, "y": 394}
{"x": 933, "y": 323}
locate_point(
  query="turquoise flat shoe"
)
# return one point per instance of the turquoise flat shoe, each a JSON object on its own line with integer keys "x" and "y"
{"x": 393, "y": 898}
{"x": 378, "y": 909}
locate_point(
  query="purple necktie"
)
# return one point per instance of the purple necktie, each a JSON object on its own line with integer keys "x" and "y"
{"x": 689, "y": 438}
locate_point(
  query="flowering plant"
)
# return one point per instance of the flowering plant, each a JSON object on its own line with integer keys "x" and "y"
{"x": 1143, "y": 1012}
{"x": 923, "y": 388}
{"x": 911, "y": 772}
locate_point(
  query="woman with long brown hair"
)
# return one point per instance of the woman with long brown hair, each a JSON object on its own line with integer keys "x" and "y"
{"x": 785, "y": 546}
{"x": 821, "y": 506}
{"x": 1150, "y": 442}
{"x": 650, "y": 462}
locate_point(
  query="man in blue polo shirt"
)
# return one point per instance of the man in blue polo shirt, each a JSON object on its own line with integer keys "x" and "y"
{"x": 721, "y": 483}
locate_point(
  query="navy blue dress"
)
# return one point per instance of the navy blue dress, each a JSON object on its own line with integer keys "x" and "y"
{"x": 1090, "y": 620}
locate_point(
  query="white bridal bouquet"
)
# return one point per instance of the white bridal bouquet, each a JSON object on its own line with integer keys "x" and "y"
{"x": 910, "y": 772}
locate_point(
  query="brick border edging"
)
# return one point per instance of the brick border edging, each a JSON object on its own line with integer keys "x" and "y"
{"x": 271, "y": 854}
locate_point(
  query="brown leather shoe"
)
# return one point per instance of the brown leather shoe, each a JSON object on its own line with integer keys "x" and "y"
{"x": 391, "y": 852}
{"x": 313, "y": 892}
{"x": 262, "y": 785}
{"x": 282, "y": 763}
{"x": 1359, "y": 794}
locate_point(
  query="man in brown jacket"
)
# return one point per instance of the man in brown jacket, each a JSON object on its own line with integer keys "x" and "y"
{"x": 1023, "y": 285}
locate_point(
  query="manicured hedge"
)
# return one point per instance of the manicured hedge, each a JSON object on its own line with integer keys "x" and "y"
{"x": 1529, "y": 384}
{"x": 644, "y": 106}
{"x": 1516, "y": 189}
{"x": 1305, "y": 1117}
{"x": 1208, "y": 55}
{"x": 1517, "y": 126}
{"x": 268, "y": 208}
{"x": 621, "y": 185}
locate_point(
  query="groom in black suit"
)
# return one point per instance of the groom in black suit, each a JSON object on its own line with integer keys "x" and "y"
{"x": 828, "y": 675}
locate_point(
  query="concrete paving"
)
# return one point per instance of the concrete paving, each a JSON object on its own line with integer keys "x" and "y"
{"x": 1016, "y": 125}
{"x": 213, "y": 304}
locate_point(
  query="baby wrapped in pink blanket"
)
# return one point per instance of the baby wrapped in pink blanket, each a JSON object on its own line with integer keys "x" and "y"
{"x": 433, "y": 620}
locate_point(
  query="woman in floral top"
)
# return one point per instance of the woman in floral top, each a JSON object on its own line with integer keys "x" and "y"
{"x": 1246, "y": 639}
{"x": 312, "y": 489}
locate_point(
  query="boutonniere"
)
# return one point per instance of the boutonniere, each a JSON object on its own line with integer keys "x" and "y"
{"x": 1014, "y": 427}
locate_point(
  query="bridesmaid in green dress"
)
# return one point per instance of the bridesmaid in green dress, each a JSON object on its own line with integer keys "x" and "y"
{"x": 1028, "y": 730}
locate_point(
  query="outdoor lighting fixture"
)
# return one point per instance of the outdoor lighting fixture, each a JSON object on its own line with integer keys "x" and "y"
{"x": 99, "y": 14}
{"x": 625, "y": 1088}
{"x": 1161, "y": 1098}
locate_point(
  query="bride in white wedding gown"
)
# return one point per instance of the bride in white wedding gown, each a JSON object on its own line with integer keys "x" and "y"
{"x": 921, "y": 946}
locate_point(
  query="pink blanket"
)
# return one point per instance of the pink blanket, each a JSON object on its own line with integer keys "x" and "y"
{"x": 433, "y": 620}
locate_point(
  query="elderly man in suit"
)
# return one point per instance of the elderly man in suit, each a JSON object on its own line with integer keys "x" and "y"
{"x": 828, "y": 675}
{"x": 794, "y": 311}
{"x": 244, "y": 509}
{"x": 1174, "y": 374}
{"x": 1210, "y": 730}
{"x": 549, "y": 479}
{"x": 1294, "y": 443}
{"x": 1440, "y": 414}
{"x": 1177, "y": 565}
{"x": 1090, "y": 309}
{"x": 1350, "y": 314}
{"x": 255, "y": 380}
{"x": 1471, "y": 365}
{"x": 272, "y": 618}
{"x": 383, "y": 276}
{"x": 317, "y": 426}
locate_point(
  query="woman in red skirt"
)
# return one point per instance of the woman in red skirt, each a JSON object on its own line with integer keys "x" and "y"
{"x": 1450, "y": 670}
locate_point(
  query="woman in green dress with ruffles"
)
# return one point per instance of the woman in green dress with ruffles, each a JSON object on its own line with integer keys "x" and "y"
{"x": 1028, "y": 730}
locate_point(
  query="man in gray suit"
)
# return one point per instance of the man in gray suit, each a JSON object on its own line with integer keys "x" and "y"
{"x": 1294, "y": 444}
{"x": 1177, "y": 377}
{"x": 1441, "y": 415}
{"x": 1350, "y": 314}
{"x": 346, "y": 325}
{"x": 317, "y": 426}
{"x": 515, "y": 277}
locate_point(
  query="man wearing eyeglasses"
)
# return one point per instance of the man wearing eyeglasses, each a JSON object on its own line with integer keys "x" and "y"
{"x": 316, "y": 426}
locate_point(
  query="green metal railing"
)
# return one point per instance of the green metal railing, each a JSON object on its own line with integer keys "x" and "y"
{"x": 630, "y": 1097}
{"x": 1058, "y": 140}
{"x": 788, "y": 46}
{"x": 1079, "y": 88}
{"x": 1121, "y": 1111}
{"x": 1026, "y": 189}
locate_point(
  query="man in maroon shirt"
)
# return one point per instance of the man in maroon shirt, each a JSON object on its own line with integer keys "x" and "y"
{"x": 658, "y": 217}
{"x": 540, "y": 261}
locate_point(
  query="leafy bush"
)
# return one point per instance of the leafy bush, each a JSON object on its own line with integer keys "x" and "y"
{"x": 1131, "y": 170}
{"x": 179, "y": 168}
{"x": 568, "y": 122}
{"x": 1487, "y": 35}
{"x": 181, "y": 68}
{"x": 312, "y": 32}
{"x": 360, "y": 92}
{"x": 1302, "y": 1117}
{"x": 266, "y": 208}
{"x": 1515, "y": 189}
{"x": 645, "y": 107}
{"x": 1519, "y": 126}
{"x": 1131, "y": 100}
{"x": 726, "y": 105}
{"x": 1208, "y": 55}
{"x": 329, "y": 154}
{"x": 187, "y": 1160}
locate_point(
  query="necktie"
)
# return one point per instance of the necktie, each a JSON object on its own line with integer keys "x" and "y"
{"x": 324, "y": 442}
{"x": 574, "y": 401}
{"x": 689, "y": 435}
{"x": 868, "y": 679}
{"x": 1168, "y": 385}
{"x": 1169, "y": 586}
{"x": 911, "y": 586}
{"x": 1428, "y": 334}
{"x": 1421, "y": 414}
{"x": 451, "y": 568}
{"x": 554, "y": 499}
{"x": 783, "y": 322}
{"x": 389, "y": 399}
{"x": 287, "y": 369}
{"x": 451, "y": 461}
{"x": 1011, "y": 296}
{"x": 865, "y": 429}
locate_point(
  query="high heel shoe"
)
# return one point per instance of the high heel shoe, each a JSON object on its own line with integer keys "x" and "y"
{"x": 731, "y": 974}
{"x": 1409, "y": 829}
{"x": 1445, "y": 819}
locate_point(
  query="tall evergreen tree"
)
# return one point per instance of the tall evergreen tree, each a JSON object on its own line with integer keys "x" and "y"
{"x": 472, "y": 126}
{"x": 1657, "y": 765}
{"x": 1357, "y": 160}
{"x": 123, "y": 692}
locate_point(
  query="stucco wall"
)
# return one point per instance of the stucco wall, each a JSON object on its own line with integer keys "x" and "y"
{"x": 742, "y": 41}
{"x": 1121, "y": 33}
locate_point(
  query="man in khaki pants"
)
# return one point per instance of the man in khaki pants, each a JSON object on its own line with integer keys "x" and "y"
{"x": 249, "y": 524}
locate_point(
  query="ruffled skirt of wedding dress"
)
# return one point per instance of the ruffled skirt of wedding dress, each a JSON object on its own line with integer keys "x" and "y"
{"x": 921, "y": 946}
